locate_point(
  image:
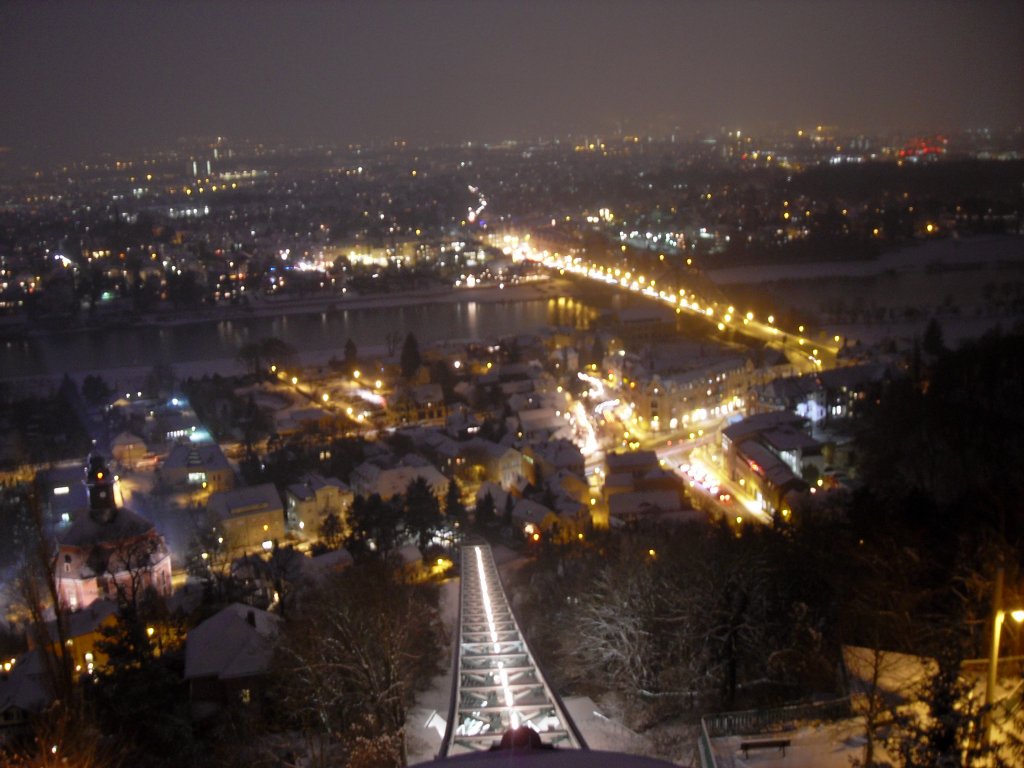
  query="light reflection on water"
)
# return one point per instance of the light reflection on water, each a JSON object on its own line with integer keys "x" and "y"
{"x": 318, "y": 332}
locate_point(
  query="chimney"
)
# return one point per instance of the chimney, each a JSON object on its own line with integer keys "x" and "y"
{"x": 250, "y": 617}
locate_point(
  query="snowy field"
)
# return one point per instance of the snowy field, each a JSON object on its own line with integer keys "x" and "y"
{"x": 969, "y": 286}
{"x": 977, "y": 252}
{"x": 826, "y": 745}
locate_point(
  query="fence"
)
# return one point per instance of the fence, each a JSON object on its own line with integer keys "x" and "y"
{"x": 754, "y": 721}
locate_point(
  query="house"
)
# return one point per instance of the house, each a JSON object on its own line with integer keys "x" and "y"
{"x": 825, "y": 395}
{"x": 771, "y": 452}
{"x": 761, "y": 471}
{"x": 248, "y": 518}
{"x": 553, "y": 456}
{"x": 170, "y": 425}
{"x": 498, "y": 463}
{"x": 643, "y": 324}
{"x": 266, "y": 581}
{"x": 227, "y": 658}
{"x": 24, "y": 695}
{"x": 368, "y": 479}
{"x": 335, "y": 561}
{"x": 795, "y": 448}
{"x": 441, "y": 449}
{"x": 109, "y": 551}
{"x": 634, "y": 506}
{"x": 673, "y": 383}
{"x": 127, "y": 449}
{"x": 292, "y": 421}
{"x": 419, "y": 403}
{"x": 461, "y": 423}
{"x": 83, "y": 630}
{"x": 311, "y": 499}
{"x": 536, "y": 521}
{"x": 63, "y": 493}
{"x": 197, "y": 466}
{"x": 539, "y": 424}
{"x": 634, "y": 464}
{"x": 751, "y": 426}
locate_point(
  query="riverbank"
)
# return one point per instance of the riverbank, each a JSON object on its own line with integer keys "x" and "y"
{"x": 199, "y": 344}
{"x": 542, "y": 287}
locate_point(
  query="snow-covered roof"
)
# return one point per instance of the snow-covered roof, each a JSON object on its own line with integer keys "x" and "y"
{"x": 787, "y": 438}
{"x": 335, "y": 560}
{"x": 498, "y": 494}
{"x": 391, "y": 482}
{"x": 760, "y": 422}
{"x": 528, "y": 511}
{"x": 775, "y": 471}
{"x": 84, "y": 622}
{"x": 539, "y": 418}
{"x": 643, "y": 502}
{"x": 560, "y": 453}
{"x": 206, "y": 456}
{"x": 25, "y": 685}
{"x": 87, "y": 531}
{"x": 630, "y": 461}
{"x": 238, "y": 641}
{"x": 243, "y": 501}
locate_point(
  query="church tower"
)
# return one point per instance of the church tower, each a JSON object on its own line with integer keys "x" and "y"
{"x": 112, "y": 552}
{"x": 100, "y": 482}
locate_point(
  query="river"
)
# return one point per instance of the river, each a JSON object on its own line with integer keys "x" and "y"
{"x": 212, "y": 345}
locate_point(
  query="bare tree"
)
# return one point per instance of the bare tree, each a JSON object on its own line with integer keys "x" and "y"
{"x": 39, "y": 591}
{"x": 610, "y": 634}
{"x": 127, "y": 567}
{"x": 65, "y": 734}
{"x": 64, "y": 738}
{"x": 353, "y": 655}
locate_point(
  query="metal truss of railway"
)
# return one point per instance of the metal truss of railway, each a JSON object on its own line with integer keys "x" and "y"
{"x": 497, "y": 685}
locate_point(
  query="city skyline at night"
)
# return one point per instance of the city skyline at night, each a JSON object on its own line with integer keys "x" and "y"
{"x": 637, "y": 383}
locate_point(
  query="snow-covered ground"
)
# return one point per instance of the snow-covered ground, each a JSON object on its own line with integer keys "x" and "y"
{"x": 969, "y": 286}
{"x": 423, "y": 740}
{"x": 932, "y": 255}
{"x": 823, "y": 745}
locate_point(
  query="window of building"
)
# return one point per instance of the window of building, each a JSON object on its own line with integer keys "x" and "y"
{"x": 245, "y": 695}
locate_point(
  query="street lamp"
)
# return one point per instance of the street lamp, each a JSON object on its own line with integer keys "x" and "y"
{"x": 998, "y": 617}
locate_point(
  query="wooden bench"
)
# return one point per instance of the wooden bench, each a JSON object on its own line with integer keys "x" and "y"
{"x": 746, "y": 746}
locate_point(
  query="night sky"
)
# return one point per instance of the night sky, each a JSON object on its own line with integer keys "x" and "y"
{"x": 81, "y": 77}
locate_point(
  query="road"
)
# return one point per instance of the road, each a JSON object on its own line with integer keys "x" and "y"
{"x": 804, "y": 351}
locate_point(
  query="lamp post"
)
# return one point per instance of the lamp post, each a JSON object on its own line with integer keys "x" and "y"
{"x": 998, "y": 617}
